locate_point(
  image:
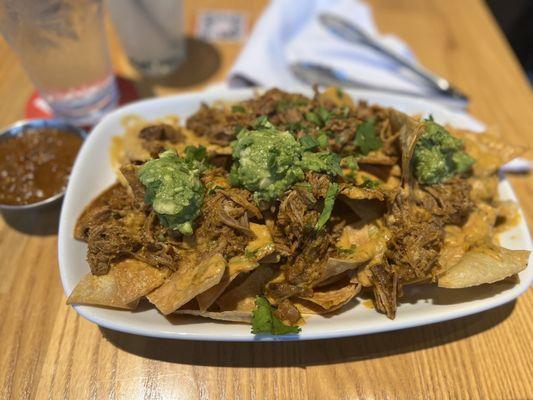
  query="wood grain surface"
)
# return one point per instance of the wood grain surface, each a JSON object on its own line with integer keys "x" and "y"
{"x": 48, "y": 351}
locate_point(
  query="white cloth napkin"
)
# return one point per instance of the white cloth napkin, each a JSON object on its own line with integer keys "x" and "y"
{"x": 289, "y": 31}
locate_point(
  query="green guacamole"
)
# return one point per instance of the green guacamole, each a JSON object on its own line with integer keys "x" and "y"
{"x": 269, "y": 161}
{"x": 265, "y": 162}
{"x": 438, "y": 156}
{"x": 174, "y": 190}
{"x": 323, "y": 161}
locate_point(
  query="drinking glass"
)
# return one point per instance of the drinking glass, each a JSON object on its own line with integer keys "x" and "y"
{"x": 62, "y": 46}
{"x": 151, "y": 32}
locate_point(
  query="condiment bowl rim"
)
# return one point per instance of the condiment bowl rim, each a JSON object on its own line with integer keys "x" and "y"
{"x": 19, "y": 127}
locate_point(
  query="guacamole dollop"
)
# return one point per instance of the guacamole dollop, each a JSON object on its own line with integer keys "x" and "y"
{"x": 174, "y": 189}
{"x": 268, "y": 161}
{"x": 265, "y": 161}
{"x": 438, "y": 156}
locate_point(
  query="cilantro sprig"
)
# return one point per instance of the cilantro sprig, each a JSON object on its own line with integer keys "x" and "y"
{"x": 366, "y": 137}
{"x": 264, "y": 321}
{"x": 329, "y": 202}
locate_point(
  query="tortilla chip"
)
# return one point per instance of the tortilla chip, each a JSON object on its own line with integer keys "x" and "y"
{"x": 409, "y": 130}
{"x": 367, "y": 210}
{"x": 333, "y": 95}
{"x": 99, "y": 290}
{"x": 336, "y": 266}
{"x": 508, "y": 212}
{"x": 363, "y": 240}
{"x": 186, "y": 283}
{"x": 453, "y": 248}
{"x": 480, "y": 223}
{"x": 219, "y": 150}
{"x": 236, "y": 265}
{"x": 126, "y": 282}
{"x": 359, "y": 193}
{"x": 489, "y": 151}
{"x": 377, "y": 158}
{"x": 333, "y": 299}
{"x": 334, "y": 279}
{"x": 323, "y": 302}
{"x": 233, "y": 316}
{"x": 130, "y": 146}
{"x": 242, "y": 296}
{"x": 358, "y": 244}
{"x": 256, "y": 250}
{"x": 484, "y": 264}
{"x": 484, "y": 189}
{"x": 135, "y": 278}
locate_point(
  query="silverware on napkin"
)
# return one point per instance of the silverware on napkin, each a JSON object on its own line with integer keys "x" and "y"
{"x": 352, "y": 33}
{"x": 322, "y": 75}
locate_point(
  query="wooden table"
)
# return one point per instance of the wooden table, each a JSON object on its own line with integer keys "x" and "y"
{"x": 48, "y": 351}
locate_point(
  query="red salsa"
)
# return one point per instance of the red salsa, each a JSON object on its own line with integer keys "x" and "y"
{"x": 36, "y": 164}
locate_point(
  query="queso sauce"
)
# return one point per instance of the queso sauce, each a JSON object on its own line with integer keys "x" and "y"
{"x": 36, "y": 164}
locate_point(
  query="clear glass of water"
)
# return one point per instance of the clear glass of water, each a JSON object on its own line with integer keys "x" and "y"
{"x": 62, "y": 46}
{"x": 151, "y": 32}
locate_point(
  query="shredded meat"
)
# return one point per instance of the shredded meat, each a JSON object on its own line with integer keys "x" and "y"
{"x": 160, "y": 243}
{"x": 417, "y": 237}
{"x": 130, "y": 173}
{"x": 217, "y": 124}
{"x": 224, "y": 224}
{"x": 343, "y": 131}
{"x": 287, "y": 312}
{"x": 114, "y": 227}
{"x": 417, "y": 223}
{"x": 385, "y": 287}
{"x": 319, "y": 184}
{"x": 112, "y": 233}
{"x": 220, "y": 126}
{"x": 242, "y": 198}
{"x": 282, "y": 109}
{"x": 161, "y": 132}
{"x": 289, "y": 111}
{"x": 155, "y": 138}
{"x": 280, "y": 291}
{"x": 100, "y": 209}
{"x": 108, "y": 242}
{"x": 450, "y": 200}
{"x": 305, "y": 268}
{"x": 299, "y": 210}
{"x": 297, "y": 216}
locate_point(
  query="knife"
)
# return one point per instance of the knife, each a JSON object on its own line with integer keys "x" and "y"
{"x": 323, "y": 75}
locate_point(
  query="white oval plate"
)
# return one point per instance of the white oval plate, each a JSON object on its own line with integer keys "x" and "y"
{"x": 422, "y": 304}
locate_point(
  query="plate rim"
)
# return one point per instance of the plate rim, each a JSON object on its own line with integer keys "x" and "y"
{"x": 91, "y": 313}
